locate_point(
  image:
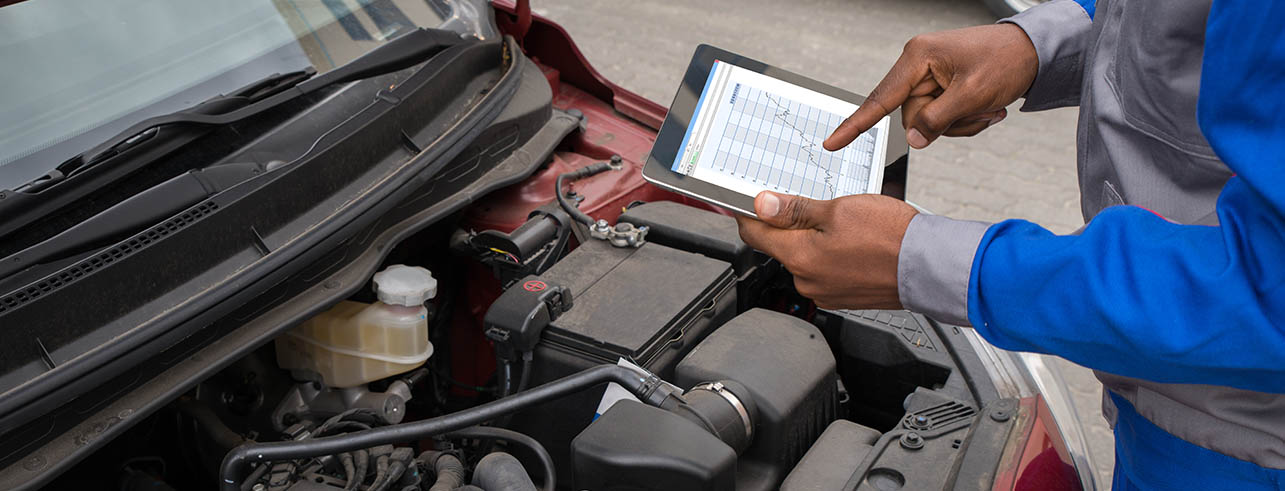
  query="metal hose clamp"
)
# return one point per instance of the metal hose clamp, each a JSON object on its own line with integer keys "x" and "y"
{"x": 718, "y": 388}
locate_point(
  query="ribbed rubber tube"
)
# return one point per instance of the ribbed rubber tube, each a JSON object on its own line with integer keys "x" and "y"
{"x": 489, "y": 432}
{"x": 236, "y": 461}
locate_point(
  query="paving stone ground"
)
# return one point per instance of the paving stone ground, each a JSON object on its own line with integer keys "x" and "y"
{"x": 1021, "y": 168}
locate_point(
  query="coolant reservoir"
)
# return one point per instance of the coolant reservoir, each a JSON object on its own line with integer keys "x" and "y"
{"x": 355, "y": 343}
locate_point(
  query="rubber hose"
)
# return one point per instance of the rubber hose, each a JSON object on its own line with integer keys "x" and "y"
{"x": 506, "y": 390}
{"x": 449, "y": 470}
{"x": 490, "y": 432}
{"x": 350, "y": 471}
{"x": 361, "y": 460}
{"x": 525, "y": 379}
{"x": 499, "y": 471}
{"x": 397, "y": 463}
{"x": 504, "y": 375}
{"x": 381, "y": 468}
{"x": 234, "y": 463}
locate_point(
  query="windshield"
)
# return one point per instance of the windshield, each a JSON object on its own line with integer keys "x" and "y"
{"x": 76, "y": 72}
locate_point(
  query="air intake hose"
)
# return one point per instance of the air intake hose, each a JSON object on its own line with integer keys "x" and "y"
{"x": 649, "y": 388}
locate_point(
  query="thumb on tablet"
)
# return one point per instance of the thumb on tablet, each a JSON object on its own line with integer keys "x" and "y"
{"x": 788, "y": 211}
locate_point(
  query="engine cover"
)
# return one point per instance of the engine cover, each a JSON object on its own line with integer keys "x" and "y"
{"x": 649, "y": 305}
{"x": 789, "y": 369}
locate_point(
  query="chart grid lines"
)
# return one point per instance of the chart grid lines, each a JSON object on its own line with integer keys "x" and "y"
{"x": 751, "y": 135}
{"x": 778, "y": 143}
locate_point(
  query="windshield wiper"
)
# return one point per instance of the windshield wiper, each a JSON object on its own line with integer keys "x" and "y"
{"x": 21, "y": 207}
{"x": 401, "y": 52}
{"x": 146, "y": 130}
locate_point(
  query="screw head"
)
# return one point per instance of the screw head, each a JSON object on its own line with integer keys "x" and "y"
{"x": 912, "y": 441}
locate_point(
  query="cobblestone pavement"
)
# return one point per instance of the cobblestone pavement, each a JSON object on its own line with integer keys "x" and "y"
{"x": 1022, "y": 168}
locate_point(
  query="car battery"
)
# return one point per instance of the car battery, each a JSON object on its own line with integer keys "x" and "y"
{"x": 648, "y": 305}
{"x": 707, "y": 233}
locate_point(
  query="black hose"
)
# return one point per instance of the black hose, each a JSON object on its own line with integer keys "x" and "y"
{"x": 525, "y": 379}
{"x": 504, "y": 376}
{"x": 500, "y": 471}
{"x": 581, "y": 173}
{"x": 233, "y": 468}
{"x": 506, "y": 369}
{"x": 493, "y": 433}
{"x": 447, "y": 467}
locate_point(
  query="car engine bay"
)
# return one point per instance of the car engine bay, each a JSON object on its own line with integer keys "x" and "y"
{"x": 722, "y": 377}
{"x": 570, "y": 327}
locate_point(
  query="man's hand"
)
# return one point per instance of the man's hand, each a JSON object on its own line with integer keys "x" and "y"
{"x": 842, "y": 252}
{"x": 953, "y": 83}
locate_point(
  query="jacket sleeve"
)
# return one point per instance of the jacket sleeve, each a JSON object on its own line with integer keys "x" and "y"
{"x": 1060, "y": 31}
{"x": 936, "y": 258}
{"x": 1136, "y": 295}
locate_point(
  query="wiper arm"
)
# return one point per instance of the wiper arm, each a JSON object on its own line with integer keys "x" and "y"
{"x": 143, "y": 131}
{"x": 28, "y": 202}
{"x": 401, "y": 52}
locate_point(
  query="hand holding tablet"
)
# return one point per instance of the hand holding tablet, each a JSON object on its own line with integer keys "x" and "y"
{"x": 738, "y": 127}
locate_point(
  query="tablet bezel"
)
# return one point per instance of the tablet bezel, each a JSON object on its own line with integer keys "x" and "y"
{"x": 659, "y": 167}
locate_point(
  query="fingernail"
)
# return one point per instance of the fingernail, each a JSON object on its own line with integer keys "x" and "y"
{"x": 916, "y": 139}
{"x": 770, "y": 207}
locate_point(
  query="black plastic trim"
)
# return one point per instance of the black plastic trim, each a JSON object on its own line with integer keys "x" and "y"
{"x": 114, "y": 352}
{"x": 284, "y": 303}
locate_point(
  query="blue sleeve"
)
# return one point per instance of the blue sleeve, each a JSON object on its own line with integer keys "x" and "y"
{"x": 1090, "y": 6}
{"x": 1139, "y": 296}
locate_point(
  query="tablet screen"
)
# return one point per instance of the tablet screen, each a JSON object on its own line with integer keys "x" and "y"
{"x": 752, "y": 132}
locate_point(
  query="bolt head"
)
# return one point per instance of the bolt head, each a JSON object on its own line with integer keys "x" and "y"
{"x": 912, "y": 441}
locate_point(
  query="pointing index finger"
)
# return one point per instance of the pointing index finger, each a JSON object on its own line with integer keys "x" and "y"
{"x": 886, "y": 97}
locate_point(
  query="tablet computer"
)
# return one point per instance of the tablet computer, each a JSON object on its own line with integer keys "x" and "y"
{"x": 738, "y": 126}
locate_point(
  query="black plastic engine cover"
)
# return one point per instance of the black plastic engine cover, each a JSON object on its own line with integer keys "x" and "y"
{"x": 650, "y": 305}
{"x": 830, "y": 462}
{"x": 707, "y": 233}
{"x": 638, "y": 447}
{"x": 789, "y": 369}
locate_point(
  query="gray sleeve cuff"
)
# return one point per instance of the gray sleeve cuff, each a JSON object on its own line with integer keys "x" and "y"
{"x": 934, "y": 265}
{"x": 1060, "y": 32}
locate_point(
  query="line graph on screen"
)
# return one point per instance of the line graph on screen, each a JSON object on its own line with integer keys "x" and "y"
{"x": 776, "y": 142}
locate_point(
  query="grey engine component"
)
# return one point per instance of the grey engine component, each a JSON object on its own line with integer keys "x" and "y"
{"x": 311, "y": 401}
{"x": 787, "y": 368}
{"x": 764, "y": 384}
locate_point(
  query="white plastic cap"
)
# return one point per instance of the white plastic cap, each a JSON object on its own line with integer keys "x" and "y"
{"x": 409, "y": 286}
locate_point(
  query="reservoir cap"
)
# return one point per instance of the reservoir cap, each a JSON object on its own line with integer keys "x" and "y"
{"x": 409, "y": 286}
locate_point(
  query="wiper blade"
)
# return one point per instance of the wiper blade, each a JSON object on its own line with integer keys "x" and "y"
{"x": 132, "y": 137}
{"x": 401, "y": 52}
